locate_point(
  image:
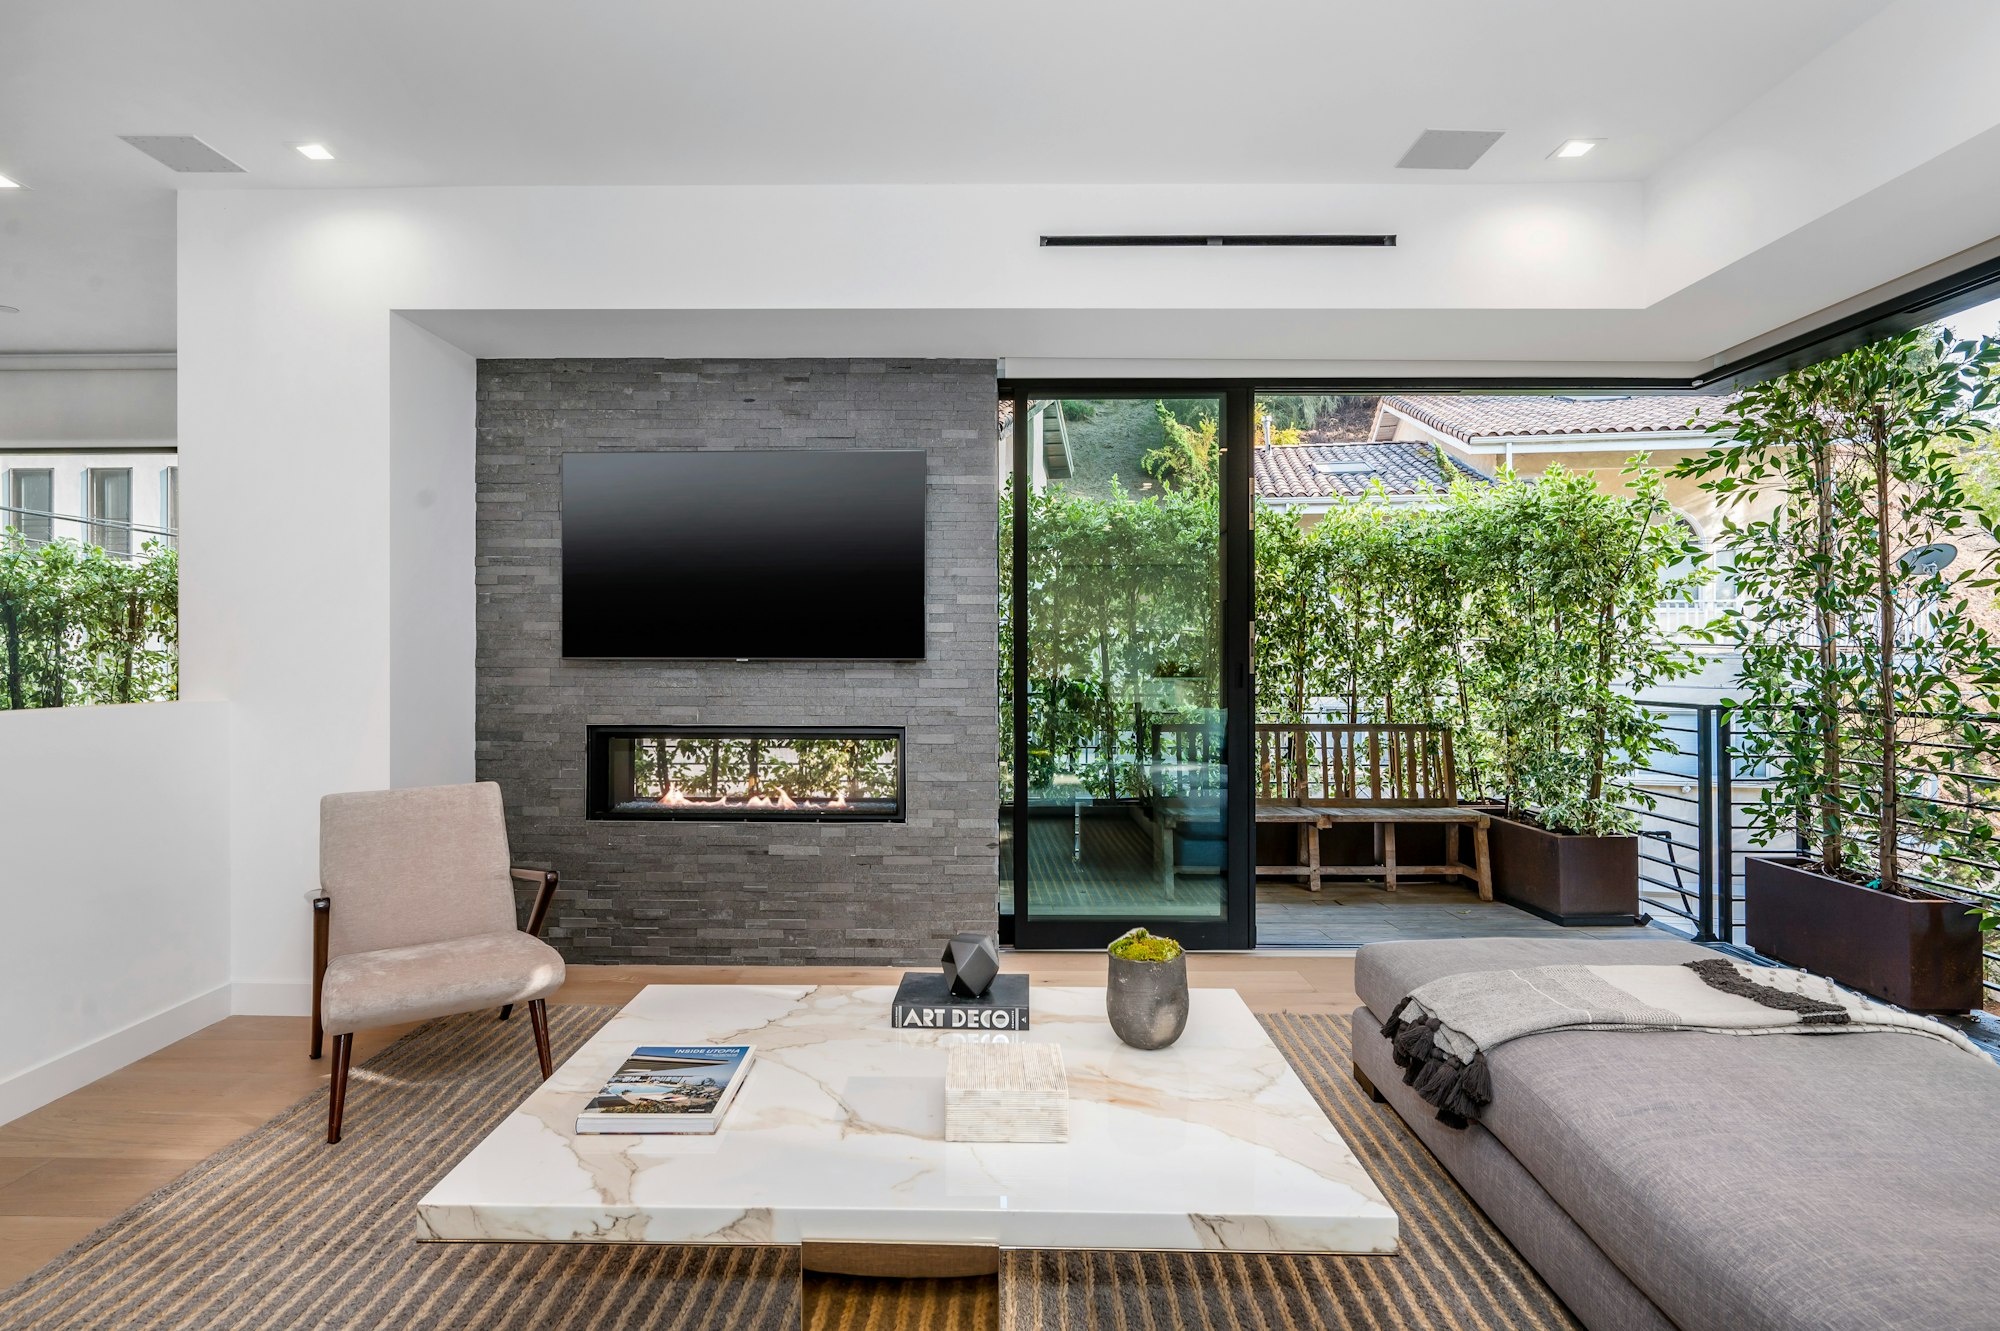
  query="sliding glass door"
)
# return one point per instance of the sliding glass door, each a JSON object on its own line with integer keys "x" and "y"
{"x": 1120, "y": 685}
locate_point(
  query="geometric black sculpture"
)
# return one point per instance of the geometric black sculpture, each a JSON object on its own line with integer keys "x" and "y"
{"x": 971, "y": 960}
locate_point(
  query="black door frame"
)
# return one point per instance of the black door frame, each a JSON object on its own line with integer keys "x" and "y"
{"x": 1923, "y": 304}
{"x": 1237, "y": 929}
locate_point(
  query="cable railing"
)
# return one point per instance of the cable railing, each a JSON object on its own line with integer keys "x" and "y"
{"x": 39, "y": 526}
{"x": 1696, "y": 835}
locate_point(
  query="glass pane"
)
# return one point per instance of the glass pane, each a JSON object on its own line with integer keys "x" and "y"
{"x": 683, "y": 772}
{"x": 35, "y": 493}
{"x": 1124, "y": 806}
{"x": 111, "y": 501}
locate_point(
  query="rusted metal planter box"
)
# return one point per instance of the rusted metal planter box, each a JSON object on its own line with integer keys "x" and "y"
{"x": 1917, "y": 952}
{"x": 1573, "y": 880}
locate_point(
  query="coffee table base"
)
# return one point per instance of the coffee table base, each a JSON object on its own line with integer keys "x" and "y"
{"x": 914, "y": 1261}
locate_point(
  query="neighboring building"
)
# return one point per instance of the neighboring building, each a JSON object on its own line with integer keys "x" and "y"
{"x": 117, "y": 500}
{"x": 1310, "y": 478}
{"x": 1594, "y": 432}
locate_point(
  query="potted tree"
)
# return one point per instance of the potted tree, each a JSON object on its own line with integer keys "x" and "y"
{"x": 1865, "y": 678}
{"x": 1564, "y": 643}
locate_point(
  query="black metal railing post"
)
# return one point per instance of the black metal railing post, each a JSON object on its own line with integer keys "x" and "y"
{"x": 1704, "y": 821}
{"x": 1725, "y": 824}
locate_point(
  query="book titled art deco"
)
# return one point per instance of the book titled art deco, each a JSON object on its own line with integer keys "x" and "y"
{"x": 669, "y": 1088}
{"x": 925, "y": 1002}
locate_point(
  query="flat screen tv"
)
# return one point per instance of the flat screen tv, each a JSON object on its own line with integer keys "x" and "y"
{"x": 808, "y": 555}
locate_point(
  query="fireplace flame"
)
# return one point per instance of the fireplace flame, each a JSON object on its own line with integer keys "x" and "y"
{"x": 776, "y": 800}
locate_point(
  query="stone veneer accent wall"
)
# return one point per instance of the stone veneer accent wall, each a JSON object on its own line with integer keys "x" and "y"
{"x": 742, "y": 892}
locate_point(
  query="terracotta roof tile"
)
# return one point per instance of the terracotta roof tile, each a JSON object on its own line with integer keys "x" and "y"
{"x": 1468, "y": 416}
{"x": 1318, "y": 471}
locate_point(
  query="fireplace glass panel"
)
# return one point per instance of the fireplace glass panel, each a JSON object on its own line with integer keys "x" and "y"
{"x": 799, "y": 774}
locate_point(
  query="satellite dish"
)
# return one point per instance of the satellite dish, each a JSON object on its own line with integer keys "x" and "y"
{"x": 1927, "y": 560}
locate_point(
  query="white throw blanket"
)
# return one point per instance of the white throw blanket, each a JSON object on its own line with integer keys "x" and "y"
{"x": 1445, "y": 1029}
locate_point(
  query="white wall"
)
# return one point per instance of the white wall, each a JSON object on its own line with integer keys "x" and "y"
{"x": 66, "y": 400}
{"x": 113, "y": 862}
{"x": 432, "y": 635}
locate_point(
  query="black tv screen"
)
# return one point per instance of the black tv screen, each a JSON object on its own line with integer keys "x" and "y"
{"x": 764, "y": 555}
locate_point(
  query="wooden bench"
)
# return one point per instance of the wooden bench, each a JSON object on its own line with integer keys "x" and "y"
{"x": 1323, "y": 774}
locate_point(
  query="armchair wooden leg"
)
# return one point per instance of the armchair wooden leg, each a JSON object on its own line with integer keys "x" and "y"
{"x": 506, "y": 1012}
{"x": 322, "y": 908}
{"x": 538, "y": 1014}
{"x": 343, "y": 1053}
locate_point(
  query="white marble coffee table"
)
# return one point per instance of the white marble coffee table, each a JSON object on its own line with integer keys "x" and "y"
{"x": 837, "y": 1139}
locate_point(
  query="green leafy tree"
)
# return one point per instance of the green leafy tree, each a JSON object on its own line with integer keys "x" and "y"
{"x": 1570, "y": 576}
{"x": 1520, "y": 614}
{"x": 1190, "y": 458}
{"x": 80, "y": 626}
{"x": 1866, "y": 674}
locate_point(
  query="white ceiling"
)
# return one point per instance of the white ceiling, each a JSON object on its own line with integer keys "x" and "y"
{"x": 484, "y": 92}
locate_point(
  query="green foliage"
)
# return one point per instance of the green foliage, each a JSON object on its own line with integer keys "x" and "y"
{"x": 1567, "y": 641}
{"x": 1297, "y": 411}
{"x": 1076, "y": 410}
{"x": 1520, "y": 614}
{"x": 1126, "y": 628}
{"x": 1138, "y": 945}
{"x": 1867, "y": 684}
{"x": 79, "y": 626}
{"x": 1344, "y": 416}
{"x": 1979, "y": 474}
{"x": 1190, "y": 458}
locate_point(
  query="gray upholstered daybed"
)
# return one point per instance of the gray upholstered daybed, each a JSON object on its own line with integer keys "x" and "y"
{"x": 1688, "y": 1181}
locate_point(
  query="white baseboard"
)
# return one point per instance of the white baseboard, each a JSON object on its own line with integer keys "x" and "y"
{"x": 57, "y": 1077}
{"x": 271, "y": 998}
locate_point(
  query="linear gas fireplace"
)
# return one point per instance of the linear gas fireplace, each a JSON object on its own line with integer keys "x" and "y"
{"x": 789, "y": 774}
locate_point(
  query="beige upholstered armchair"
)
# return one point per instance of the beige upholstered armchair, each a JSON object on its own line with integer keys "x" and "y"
{"x": 415, "y": 919}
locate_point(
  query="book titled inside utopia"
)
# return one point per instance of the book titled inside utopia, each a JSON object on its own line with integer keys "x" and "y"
{"x": 668, "y": 1088}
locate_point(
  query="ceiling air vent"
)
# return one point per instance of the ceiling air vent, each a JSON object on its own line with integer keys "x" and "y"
{"x": 1449, "y": 149}
{"x": 181, "y": 152}
{"x": 1276, "y": 241}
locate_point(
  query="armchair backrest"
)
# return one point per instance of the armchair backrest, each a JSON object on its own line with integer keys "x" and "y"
{"x": 414, "y": 866}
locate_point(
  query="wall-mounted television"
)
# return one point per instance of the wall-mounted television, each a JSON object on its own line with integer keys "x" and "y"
{"x": 764, "y": 555}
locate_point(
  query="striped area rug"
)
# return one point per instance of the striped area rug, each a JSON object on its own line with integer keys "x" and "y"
{"x": 1455, "y": 1272}
{"x": 278, "y": 1231}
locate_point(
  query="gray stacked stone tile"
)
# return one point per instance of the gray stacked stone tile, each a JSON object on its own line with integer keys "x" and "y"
{"x": 742, "y": 892}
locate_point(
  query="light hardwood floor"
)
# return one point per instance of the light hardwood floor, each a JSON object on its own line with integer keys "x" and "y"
{"x": 62, "y": 1174}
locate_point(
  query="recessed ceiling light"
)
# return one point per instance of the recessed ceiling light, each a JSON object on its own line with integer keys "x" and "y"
{"x": 1575, "y": 147}
{"x": 318, "y": 152}
{"x": 9, "y": 184}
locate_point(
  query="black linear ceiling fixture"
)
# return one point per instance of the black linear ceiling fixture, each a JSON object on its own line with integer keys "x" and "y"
{"x": 1278, "y": 241}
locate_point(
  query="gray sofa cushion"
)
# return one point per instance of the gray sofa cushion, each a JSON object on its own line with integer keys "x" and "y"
{"x": 1384, "y": 973}
{"x": 1590, "y": 1285}
{"x": 1822, "y": 1181}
